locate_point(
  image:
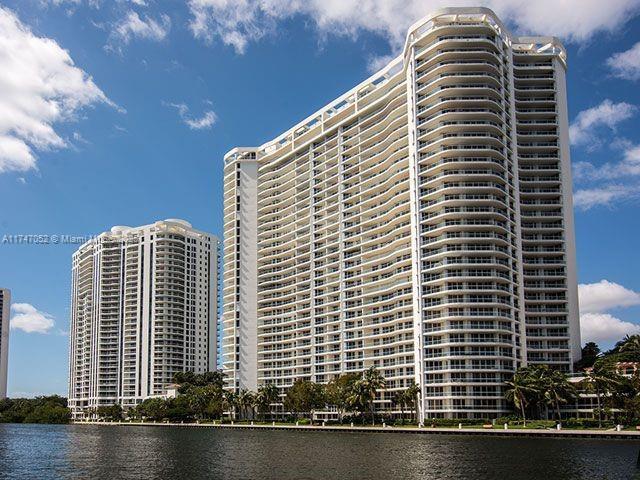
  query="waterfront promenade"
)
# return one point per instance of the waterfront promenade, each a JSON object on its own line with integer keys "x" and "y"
{"x": 465, "y": 430}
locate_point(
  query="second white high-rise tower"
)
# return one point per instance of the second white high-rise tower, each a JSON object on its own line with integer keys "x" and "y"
{"x": 143, "y": 308}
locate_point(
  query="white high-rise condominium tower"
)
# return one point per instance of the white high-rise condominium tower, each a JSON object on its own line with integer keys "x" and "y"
{"x": 5, "y": 305}
{"x": 421, "y": 223}
{"x": 143, "y": 307}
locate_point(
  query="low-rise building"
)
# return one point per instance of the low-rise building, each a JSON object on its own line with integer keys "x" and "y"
{"x": 586, "y": 404}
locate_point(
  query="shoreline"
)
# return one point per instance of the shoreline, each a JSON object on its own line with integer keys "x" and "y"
{"x": 519, "y": 432}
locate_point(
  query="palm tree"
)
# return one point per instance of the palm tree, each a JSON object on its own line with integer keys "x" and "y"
{"x": 412, "y": 393}
{"x": 358, "y": 397}
{"x": 400, "y": 399}
{"x": 600, "y": 379}
{"x": 372, "y": 380}
{"x": 631, "y": 345}
{"x": 267, "y": 394}
{"x": 245, "y": 402}
{"x": 231, "y": 402}
{"x": 520, "y": 390}
{"x": 557, "y": 390}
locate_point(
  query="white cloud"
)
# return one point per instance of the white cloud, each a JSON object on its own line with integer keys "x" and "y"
{"x": 626, "y": 64}
{"x": 605, "y": 295}
{"x": 206, "y": 121}
{"x": 72, "y": 3}
{"x": 595, "y": 300}
{"x": 91, "y": 3}
{"x": 587, "y": 198}
{"x": 39, "y": 87}
{"x": 608, "y": 114}
{"x": 629, "y": 166}
{"x": 238, "y": 22}
{"x": 78, "y": 138}
{"x": 376, "y": 63}
{"x": 605, "y": 328}
{"x": 585, "y": 130}
{"x": 64, "y": 2}
{"x": 29, "y": 319}
{"x": 133, "y": 26}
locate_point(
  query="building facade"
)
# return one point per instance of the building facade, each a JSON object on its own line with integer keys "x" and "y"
{"x": 585, "y": 404}
{"x": 421, "y": 223}
{"x": 5, "y": 306}
{"x": 143, "y": 307}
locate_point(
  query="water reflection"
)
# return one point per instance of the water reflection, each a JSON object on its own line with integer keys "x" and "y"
{"x": 89, "y": 452}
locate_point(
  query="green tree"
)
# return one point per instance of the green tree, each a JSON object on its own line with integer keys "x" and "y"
{"x": 412, "y": 394}
{"x": 359, "y": 397}
{"x": 304, "y": 397}
{"x": 557, "y": 389}
{"x": 631, "y": 403}
{"x": 373, "y": 381}
{"x": 189, "y": 380}
{"x": 111, "y": 413}
{"x": 625, "y": 350}
{"x": 590, "y": 353}
{"x": 152, "y": 409}
{"x": 184, "y": 379}
{"x": 631, "y": 348}
{"x": 215, "y": 405}
{"x": 266, "y": 395}
{"x": 245, "y": 400}
{"x": 215, "y": 378}
{"x": 230, "y": 402}
{"x": 206, "y": 401}
{"x": 521, "y": 390}
{"x": 599, "y": 380}
{"x": 179, "y": 409}
{"x": 204, "y": 394}
{"x": 337, "y": 392}
{"x": 399, "y": 399}
{"x": 44, "y": 409}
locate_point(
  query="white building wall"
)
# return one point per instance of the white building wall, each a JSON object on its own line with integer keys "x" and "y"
{"x": 573, "y": 308}
{"x": 391, "y": 226}
{"x": 548, "y": 237}
{"x": 239, "y": 296}
{"x": 5, "y": 306}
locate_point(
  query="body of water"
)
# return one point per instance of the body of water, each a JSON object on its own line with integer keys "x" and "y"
{"x": 104, "y": 452}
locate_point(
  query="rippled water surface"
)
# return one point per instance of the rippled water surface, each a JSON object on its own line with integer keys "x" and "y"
{"x": 91, "y": 452}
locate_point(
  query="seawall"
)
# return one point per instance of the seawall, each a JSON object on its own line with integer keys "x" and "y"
{"x": 498, "y": 431}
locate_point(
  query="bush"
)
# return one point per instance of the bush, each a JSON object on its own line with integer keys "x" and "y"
{"x": 532, "y": 423}
{"x": 585, "y": 423}
{"x": 541, "y": 424}
{"x": 399, "y": 422}
{"x": 349, "y": 418}
{"x": 453, "y": 422}
{"x": 514, "y": 419}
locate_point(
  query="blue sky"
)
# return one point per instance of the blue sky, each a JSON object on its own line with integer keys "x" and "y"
{"x": 130, "y": 125}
